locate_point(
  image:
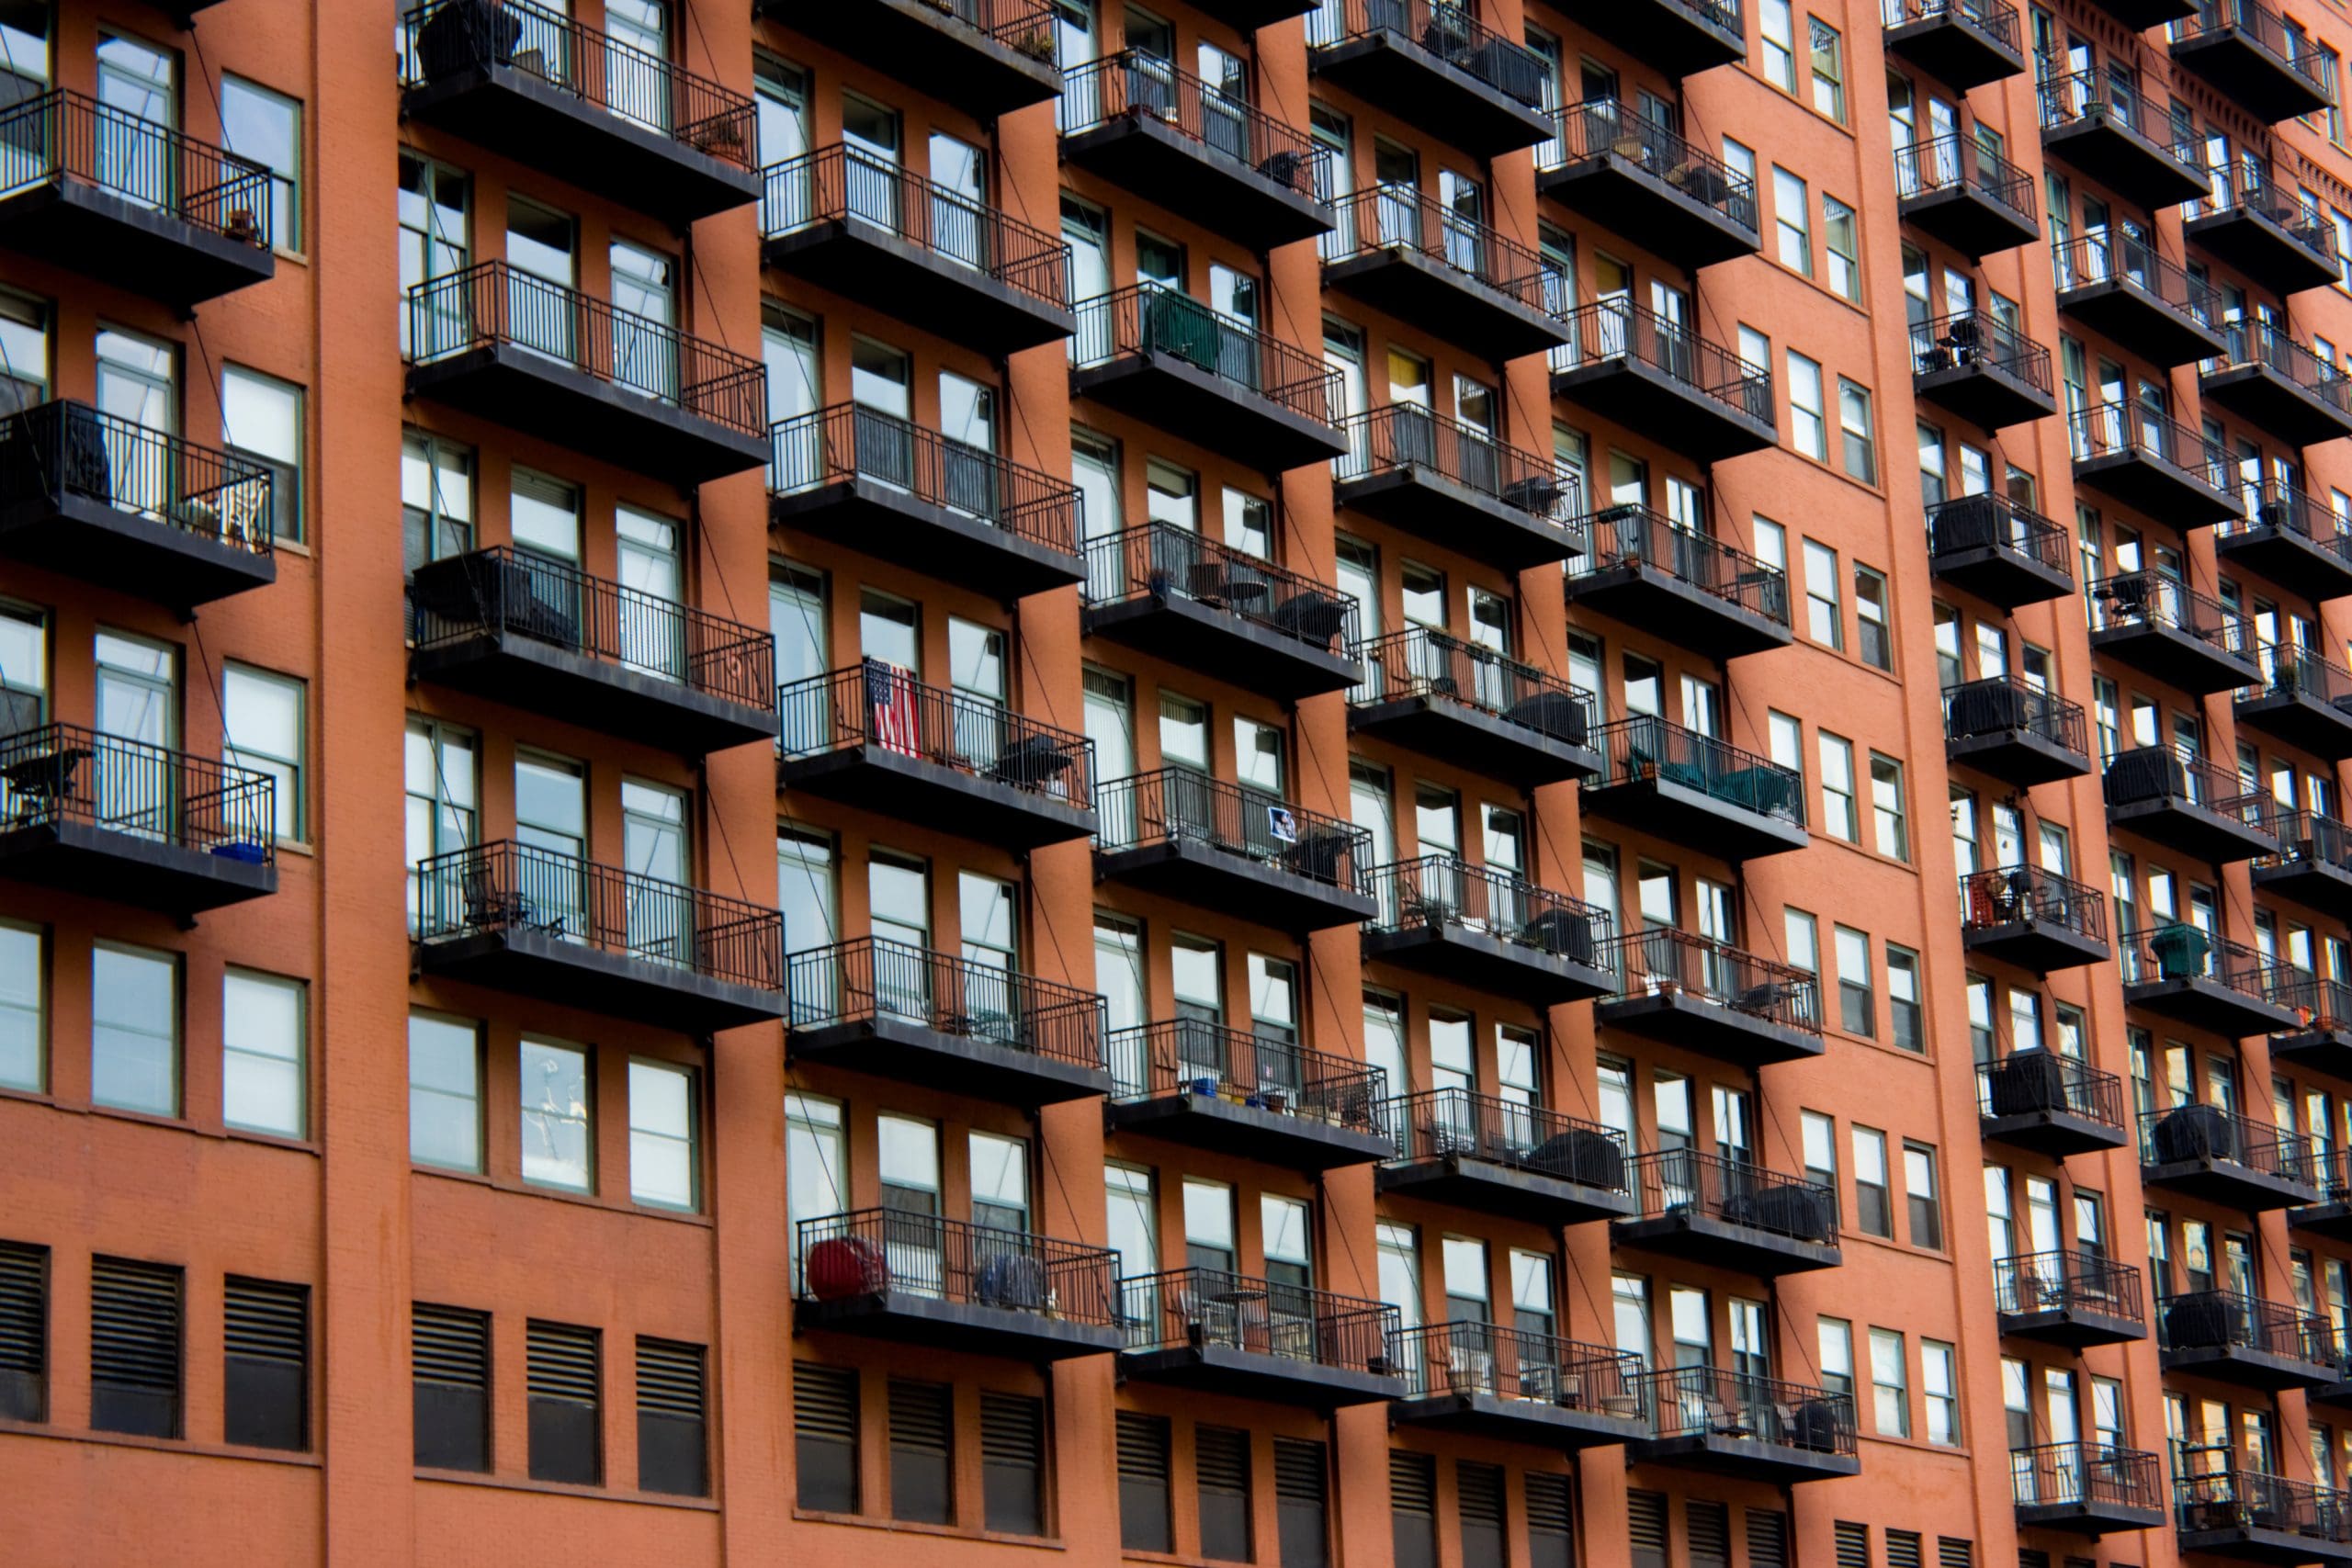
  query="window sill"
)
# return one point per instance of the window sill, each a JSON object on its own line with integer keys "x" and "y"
{"x": 1934, "y": 1255}
{"x": 949, "y": 1533}
{"x": 306, "y": 1459}
{"x": 563, "y": 1489}
{"x": 1919, "y": 1445}
{"x": 170, "y": 1124}
{"x": 557, "y": 1195}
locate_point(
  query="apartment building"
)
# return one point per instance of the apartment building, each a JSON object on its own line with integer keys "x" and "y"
{"x": 1322, "y": 606}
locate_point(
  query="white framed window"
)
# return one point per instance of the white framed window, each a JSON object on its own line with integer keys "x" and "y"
{"x": 1808, "y": 424}
{"x": 1890, "y": 1384}
{"x": 24, "y": 1006}
{"x": 265, "y": 127}
{"x": 1857, "y": 431}
{"x": 264, "y": 1071}
{"x": 262, "y": 728}
{"x": 1841, "y": 237}
{"x": 1837, "y": 814}
{"x": 135, "y": 1029}
{"x": 558, "y": 1137}
{"x": 1793, "y": 219}
{"x": 261, "y": 421}
{"x": 1825, "y": 611}
{"x": 444, "y": 1092}
{"x": 662, "y": 1164}
{"x": 1776, "y": 24}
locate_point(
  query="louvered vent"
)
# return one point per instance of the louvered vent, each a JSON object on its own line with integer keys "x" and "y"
{"x": 1903, "y": 1549}
{"x": 1709, "y": 1527}
{"x": 1298, "y": 1469}
{"x": 266, "y": 1322}
{"x": 920, "y": 1416}
{"x": 669, "y": 1378}
{"x": 449, "y": 1358}
{"x": 266, "y": 1337}
{"x": 1143, "y": 1447}
{"x": 1953, "y": 1552}
{"x": 1645, "y": 1525}
{"x": 1853, "y": 1544}
{"x": 450, "y": 1346}
{"x": 1012, "y": 1457}
{"x": 669, "y": 1435}
{"x": 1412, "y": 1483}
{"x": 561, "y": 1375}
{"x": 824, "y": 1414}
{"x": 23, "y": 1331}
{"x": 1768, "y": 1539}
{"x": 1481, "y": 1489}
{"x": 1221, "y": 1456}
{"x": 134, "y": 1347}
{"x": 560, "y": 1363}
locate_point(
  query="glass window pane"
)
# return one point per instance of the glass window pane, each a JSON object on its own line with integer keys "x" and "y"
{"x": 661, "y": 1135}
{"x": 554, "y": 1090}
{"x": 262, "y": 1074}
{"x": 134, "y": 1030}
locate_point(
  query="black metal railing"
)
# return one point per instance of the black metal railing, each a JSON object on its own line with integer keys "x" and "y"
{"x": 1993, "y": 17}
{"x": 505, "y": 590}
{"x": 836, "y": 184}
{"x": 1212, "y": 1309}
{"x": 2231, "y": 1320}
{"x": 2148, "y": 773}
{"x": 2292, "y": 671}
{"x": 2266, "y": 29}
{"x": 1026, "y": 26}
{"x": 1629, "y": 535}
{"x": 446, "y": 38}
{"x": 1406, "y": 436}
{"x": 1438, "y": 891}
{"x": 1401, "y": 217}
{"x": 56, "y": 452}
{"x": 1194, "y": 1056}
{"x": 1161, "y": 560}
{"x": 868, "y": 979}
{"x": 1691, "y": 1402}
{"x": 2116, "y": 430}
{"x": 1450, "y": 31}
{"x": 515, "y": 887}
{"x": 879, "y": 705}
{"x": 2098, "y": 97}
{"x": 1177, "y": 806}
{"x": 1956, "y": 162}
{"x": 61, "y": 134}
{"x": 2310, "y": 839}
{"x": 493, "y": 304}
{"x": 1735, "y": 1191}
{"x": 1139, "y": 83}
{"x": 1459, "y": 1123}
{"x": 2246, "y": 342}
{"x": 1618, "y": 329}
{"x": 2175, "y": 949}
{"x": 873, "y": 1252}
{"x": 2291, "y": 509}
{"x": 2148, "y": 599}
{"x": 54, "y": 775}
{"x": 2066, "y": 1281}
{"x": 1663, "y": 959}
{"x": 1969, "y": 340}
{"x": 2247, "y": 1499}
{"x": 1150, "y": 318}
{"x": 1467, "y": 1357}
{"x": 1986, "y": 521}
{"x": 2109, "y": 256}
{"x": 2187, "y": 1132}
{"x": 1421, "y": 661}
{"x": 1602, "y": 126}
{"x": 2089, "y": 1474}
{"x": 846, "y": 441}
{"x": 2047, "y": 1083}
{"x": 2330, "y": 1165}
{"x": 2007, "y": 705}
{"x": 1646, "y": 748}
{"x": 2252, "y": 188}
{"x": 2012, "y": 893}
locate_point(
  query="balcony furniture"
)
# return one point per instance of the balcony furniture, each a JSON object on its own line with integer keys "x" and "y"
{"x": 924, "y": 1280}
{"x": 1433, "y": 64}
{"x": 1489, "y": 1155}
{"x": 1614, "y": 164}
{"x": 1401, "y": 250}
{"x": 2069, "y": 1299}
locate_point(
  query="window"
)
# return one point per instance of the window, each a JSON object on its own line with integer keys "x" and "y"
{"x": 261, "y": 728}
{"x": 261, "y": 421}
{"x": 1939, "y": 1388}
{"x": 24, "y": 1007}
{"x": 444, "y": 1092}
{"x": 1808, "y": 431}
{"x": 1837, "y": 1340}
{"x": 1412, "y": 1503}
{"x": 1221, "y": 1469}
{"x": 1891, "y": 1394}
{"x": 1793, "y": 219}
{"x": 1012, "y": 1463}
{"x": 134, "y": 1029}
{"x": 1824, "y": 616}
{"x": 1302, "y": 1505}
{"x": 557, "y": 1142}
{"x": 1828, "y": 71}
{"x": 264, "y": 1080}
{"x": 1920, "y": 1194}
{"x": 1839, "y": 234}
{"x": 824, "y": 1420}
{"x": 1837, "y": 814}
{"x": 1804, "y": 936}
{"x": 561, "y": 1381}
{"x": 1777, "y": 27}
{"x": 449, "y": 1361}
{"x": 1872, "y": 1211}
{"x": 922, "y": 1450}
{"x": 24, "y": 1332}
{"x": 266, "y": 1328}
{"x": 24, "y": 352}
{"x": 134, "y": 1347}
{"x": 1904, "y": 1016}
{"x": 672, "y": 1447}
{"x": 1857, "y": 1000}
{"x": 265, "y": 127}
{"x": 441, "y": 811}
{"x": 662, "y": 1167}
{"x": 437, "y": 497}
{"x": 1886, "y": 808}
{"x": 1861, "y": 442}
{"x": 1144, "y": 1517}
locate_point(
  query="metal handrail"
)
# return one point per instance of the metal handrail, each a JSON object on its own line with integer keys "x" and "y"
{"x": 2111, "y": 256}
{"x": 1194, "y": 1056}
{"x": 875, "y": 703}
{"x": 2247, "y": 1499}
{"x": 1407, "y": 435}
{"x": 1618, "y": 329}
{"x": 2142, "y": 599}
{"x": 1648, "y": 747}
{"x": 2113, "y": 430}
{"x": 2005, "y": 704}
{"x": 2187, "y": 1133}
{"x": 2310, "y": 838}
{"x": 2289, "y": 671}
{"x": 1441, "y": 890}
{"x": 2141, "y": 773}
{"x": 871, "y": 978}
{"x": 2262, "y": 342}
{"x": 502, "y": 590}
{"x": 868, "y": 1253}
{"x": 1711, "y": 1402}
{"x": 1664, "y": 959}
{"x": 516, "y": 888}
{"x": 2038, "y": 1083}
{"x": 848, "y": 441}
{"x": 2057, "y": 1474}
{"x": 1969, "y": 338}
{"x": 1737, "y": 1192}
{"x": 1944, "y": 162}
{"x": 1136, "y": 84}
{"x": 1161, "y": 560}
{"x": 2087, "y": 96}
{"x": 1450, "y": 31}
{"x": 1015, "y": 23}
{"x": 2261, "y": 27}
{"x": 61, "y": 134}
{"x": 2175, "y": 949}
{"x": 2211, "y": 1320}
{"x": 444, "y": 36}
{"x": 54, "y": 452}
{"x": 494, "y": 305}
{"x": 1599, "y": 127}
{"x": 837, "y": 183}
{"x": 54, "y": 775}
{"x": 1177, "y": 805}
{"x": 2065, "y": 1280}
{"x": 1151, "y": 317}
{"x": 1405, "y": 218}
{"x": 1994, "y": 17}
{"x": 1467, "y": 1357}
{"x": 1421, "y": 661}
{"x": 1631, "y": 534}
{"x": 2258, "y": 191}
{"x": 1460, "y": 1123}
{"x": 1214, "y": 1309}
{"x": 2007, "y": 894}
{"x": 2291, "y": 510}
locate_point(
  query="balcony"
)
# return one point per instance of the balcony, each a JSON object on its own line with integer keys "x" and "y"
{"x": 874, "y": 737}
{"x": 2205, "y": 1152}
{"x": 1966, "y": 196}
{"x": 1695, "y": 791}
{"x": 893, "y": 1011}
{"x": 1186, "y": 145}
{"x": 934, "y": 258}
{"x": 1203, "y": 841}
{"x": 2086, "y": 1489}
{"x": 2050, "y": 1103}
{"x": 2242, "y": 1515}
{"x": 1631, "y": 365}
{"x": 542, "y": 635}
{"x": 1436, "y": 67}
{"x": 2162, "y": 627}
{"x": 1676, "y": 37}
{"x": 1633, "y": 177}
{"x": 1403, "y": 252}
{"x": 1706, "y": 995}
{"x": 2074, "y": 1300}
{"x": 558, "y": 928}
{"x": 2207, "y": 982}
{"x": 1644, "y": 569}
{"x": 1998, "y": 551}
{"x": 1737, "y": 1424}
{"x": 1171, "y": 362}
{"x": 1971, "y": 366}
{"x": 115, "y": 504}
{"x": 2034, "y": 918}
{"x": 1443, "y": 697}
{"x": 551, "y": 363}
{"x": 1456, "y": 486}
{"x": 1188, "y": 1081}
{"x": 2291, "y": 538}
{"x": 2155, "y": 466}
{"x": 2107, "y": 131}
{"x": 1249, "y": 15}
{"x": 939, "y": 1284}
{"x": 2139, "y": 15}
{"x": 105, "y": 817}
{"x": 986, "y": 56}
{"x": 1730, "y": 1214}
{"x": 2306, "y": 701}
{"x": 2250, "y": 56}
{"x": 581, "y": 105}
{"x": 2247, "y": 1341}
{"x": 2187, "y": 803}
{"x": 1165, "y": 591}
{"x": 1491, "y": 929}
{"x": 1509, "y": 1385}
{"x": 1962, "y": 43}
{"x": 2257, "y": 223}
{"x": 2278, "y": 385}
{"x": 1488, "y": 1155}
{"x": 2125, "y": 288}
{"x": 1205, "y": 1331}
{"x": 2018, "y": 733}
{"x": 2331, "y": 1217}
{"x": 2313, "y": 865}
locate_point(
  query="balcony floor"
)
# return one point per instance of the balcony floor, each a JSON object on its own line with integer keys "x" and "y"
{"x": 866, "y": 262}
{"x": 1197, "y": 873}
{"x": 2254, "y": 1543}
{"x": 1475, "y": 316}
{"x": 2123, "y": 310}
{"x": 1687, "y": 1020}
{"x": 1138, "y": 151}
{"x": 2090, "y": 1515}
{"x": 1622, "y": 192}
{"x": 1223, "y": 646}
{"x": 129, "y": 868}
{"x": 2252, "y": 77}
{"x": 1489, "y": 963}
{"x": 1640, "y": 396}
{"x": 1675, "y": 39}
{"x": 1171, "y": 393}
{"x": 2319, "y": 1048}
{"x": 2276, "y": 404}
{"x": 2156, "y": 487}
{"x": 2300, "y": 718}
{"x": 932, "y": 51}
{"x": 1489, "y": 1186}
{"x": 904, "y": 1318}
{"x": 2038, "y": 946}
{"x": 1481, "y": 742}
{"x": 108, "y": 238}
{"x": 545, "y": 967}
{"x": 894, "y": 524}
{"x": 1395, "y": 74}
{"x": 2193, "y": 830}
{"x": 571, "y": 687}
{"x": 2259, "y": 247}
{"x": 1545, "y": 1423}
{"x": 1227, "y": 1372}
{"x": 1643, "y": 594}
{"x": 2175, "y": 658}
{"x": 2054, "y": 1133}
{"x": 877, "y": 778}
{"x": 1749, "y": 1458}
{"x": 2118, "y": 156}
{"x": 2073, "y": 1328}
{"x": 1954, "y": 50}
{"x": 1968, "y": 220}
{"x": 2204, "y": 1003}
{"x": 129, "y": 551}
{"x": 1984, "y": 394}
{"x": 2225, "y": 1182}
{"x": 908, "y": 1051}
{"x": 2274, "y": 551}
{"x": 1430, "y": 505}
{"x": 1693, "y": 818}
{"x": 2246, "y": 1368}
{"x": 2331, "y": 1221}
{"x": 1290, "y": 1140}
{"x": 2020, "y": 757}
{"x": 1715, "y": 1243}
{"x": 2005, "y": 577}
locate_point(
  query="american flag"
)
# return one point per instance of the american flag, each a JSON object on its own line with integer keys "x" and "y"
{"x": 890, "y": 707}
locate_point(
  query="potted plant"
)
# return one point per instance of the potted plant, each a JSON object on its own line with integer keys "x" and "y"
{"x": 242, "y": 226}
{"x": 1038, "y": 46}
